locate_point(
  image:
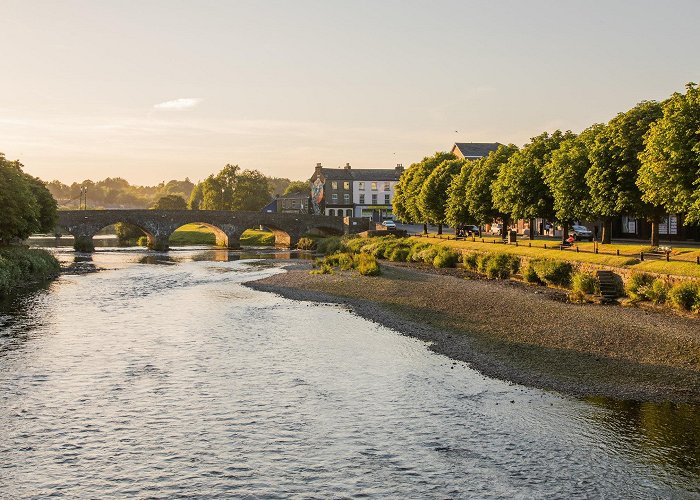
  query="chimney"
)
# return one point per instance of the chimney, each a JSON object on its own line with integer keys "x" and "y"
{"x": 347, "y": 166}
{"x": 318, "y": 169}
{"x": 399, "y": 169}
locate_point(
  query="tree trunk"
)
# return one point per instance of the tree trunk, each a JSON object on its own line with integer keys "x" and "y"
{"x": 655, "y": 232}
{"x": 532, "y": 229}
{"x": 606, "y": 237}
{"x": 425, "y": 228}
{"x": 506, "y": 225}
{"x": 564, "y": 232}
{"x": 440, "y": 228}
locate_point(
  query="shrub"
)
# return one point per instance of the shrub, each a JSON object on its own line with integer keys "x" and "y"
{"x": 445, "y": 257}
{"x": 500, "y": 265}
{"x": 685, "y": 296}
{"x": 658, "y": 291}
{"x": 638, "y": 285}
{"x": 416, "y": 249}
{"x": 355, "y": 245}
{"x": 329, "y": 245}
{"x": 399, "y": 254}
{"x": 367, "y": 265}
{"x": 470, "y": 260}
{"x": 306, "y": 244}
{"x": 142, "y": 241}
{"x": 553, "y": 272}
{"x": 583, "y": 284}
{"x": 530, "y": 274}
{"x": 322, "y": 269}
{"x": 342, "y": 260}
{"x": 21, "y": 265}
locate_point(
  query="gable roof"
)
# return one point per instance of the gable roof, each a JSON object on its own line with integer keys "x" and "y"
{"x": 474, "y": 149}
{"x": 361, "y": 174}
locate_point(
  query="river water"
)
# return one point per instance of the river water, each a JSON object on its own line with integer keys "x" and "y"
{"x": 162, "y": 376}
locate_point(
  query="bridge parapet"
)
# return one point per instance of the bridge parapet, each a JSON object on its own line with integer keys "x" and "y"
{"x": 158, "y": 225}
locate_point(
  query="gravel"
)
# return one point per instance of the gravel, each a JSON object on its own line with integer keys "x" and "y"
{"x": 520, "y": 333}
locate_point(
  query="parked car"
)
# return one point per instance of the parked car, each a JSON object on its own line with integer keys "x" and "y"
{"x": 467, "y": 230}
{"x": 497, "y": 228}
{"x": 581, "y": 233}
{"x": 389, "y": 224}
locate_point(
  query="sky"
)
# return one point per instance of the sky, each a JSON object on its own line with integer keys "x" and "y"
{"x": 157, "y": 90}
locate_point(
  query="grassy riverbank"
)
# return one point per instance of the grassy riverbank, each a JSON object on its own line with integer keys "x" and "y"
{"x": 520, "y": 333}
{"x": 22, "y": 266}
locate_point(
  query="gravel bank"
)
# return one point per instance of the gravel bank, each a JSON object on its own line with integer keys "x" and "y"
{"x": 519, "y": 333}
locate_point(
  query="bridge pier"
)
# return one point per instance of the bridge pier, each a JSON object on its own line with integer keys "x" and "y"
{"x": 159, "y": 243}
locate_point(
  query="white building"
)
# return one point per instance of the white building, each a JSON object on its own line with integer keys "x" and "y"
{"x": 373, "y": 191}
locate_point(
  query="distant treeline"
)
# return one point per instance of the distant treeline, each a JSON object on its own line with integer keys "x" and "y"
{"x": 115, "y": 192}
{"x": 644, "y": 163}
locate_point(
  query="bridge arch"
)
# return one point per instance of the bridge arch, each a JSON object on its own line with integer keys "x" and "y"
{"x": 221, "y": 237}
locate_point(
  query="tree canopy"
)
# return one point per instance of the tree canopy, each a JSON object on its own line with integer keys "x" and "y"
{"x": 479, "y": 189}
{"x": 296, "y": 187}
{"x": 26, "y": 205}
{"x": 170, "y": 202}
{"x": 433, "y": 195}
{"x": 231, "y": 189}
{"x": 519, "y": 189}
{"x": 669, "y": 175}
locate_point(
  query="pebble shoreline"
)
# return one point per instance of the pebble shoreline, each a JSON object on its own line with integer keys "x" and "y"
{"x": 518, "y": 333}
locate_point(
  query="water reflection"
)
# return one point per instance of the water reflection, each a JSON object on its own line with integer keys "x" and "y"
{"x": 667, "y": 433}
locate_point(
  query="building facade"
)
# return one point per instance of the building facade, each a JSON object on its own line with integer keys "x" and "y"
{"x": 348, "y": 192}
{"x": 298, "y": 202}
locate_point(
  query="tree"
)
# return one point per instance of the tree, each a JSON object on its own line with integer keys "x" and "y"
{"x": 612, "y": 178}
{"x": 519, "y": 189}
{"x": 432, "y": 197}
{"x": 26, "y": 204}
{"x": 251, "y": 192}
{"x": 479, "y": 189}
{"x": 565, "y": 175}
{"x": 406, "y": 204}
{"x": 669, "y": 175}
{"x": 170, "y": 202}
{"x": 457, "y": 205}
{"x": 297, "y": 187}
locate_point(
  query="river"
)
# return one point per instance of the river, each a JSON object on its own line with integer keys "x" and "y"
{"x": 162, "y": 376}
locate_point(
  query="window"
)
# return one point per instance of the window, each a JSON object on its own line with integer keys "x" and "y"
{"x": 361, "y": 186}
{"x": 334, "y": 185}
{"x": 294, "y": 203}
{"x": 334, "y": 197}
{"x": 331, "y": 212}
{"x": 386, "y": 199}
{"x": 348, "y": 212}
{"x": 362, "y": 199}
{"x": 346, "y": 185}
{"x": 374, "y": 186}
{"x": 346, "y": 198}
{"x": 387, "y": 186}
{"x": 374, "y": 199}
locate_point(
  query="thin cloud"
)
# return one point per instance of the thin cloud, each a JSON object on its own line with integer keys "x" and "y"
{"x": 178, "y": 104}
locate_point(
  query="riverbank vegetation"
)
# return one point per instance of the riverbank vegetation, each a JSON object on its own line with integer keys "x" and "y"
{"x": 26, "y": 207}
{"x": 643, "y": 163}
{"x": 533, "y": 266}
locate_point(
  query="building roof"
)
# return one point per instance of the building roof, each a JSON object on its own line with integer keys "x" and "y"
{"x": 296, "y": 194}
{"x": 361, "y": 174}
{"x": 474, "y": 149}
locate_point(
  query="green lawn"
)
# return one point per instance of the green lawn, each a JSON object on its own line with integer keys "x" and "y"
{"x": 607, "y": 256}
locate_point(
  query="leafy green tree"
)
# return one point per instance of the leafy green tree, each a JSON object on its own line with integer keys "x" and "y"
{"x": 196, "y": 197}
{"x": 170, "y": 202}
{"x": 432, "y": 198}
{"x": 565, "y": 174}
{"x": 26, "y": 205}
{"x": 406, "y": 197}
{"x": 479, "y": 189}
{"x": 297, "y": 187}
{"x": 251, "y": 192}
{"x": 127, "y": 234}
{"x": 612, "y": 178}
{"x": 669, "y": 175}
{"x": 519, "y": 189}
{"x": 457, "y": 205}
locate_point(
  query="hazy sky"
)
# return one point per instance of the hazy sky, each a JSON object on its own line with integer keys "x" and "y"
{"x": 155, "y": 90}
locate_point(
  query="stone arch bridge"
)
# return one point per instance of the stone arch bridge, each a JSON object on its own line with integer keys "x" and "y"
{"x": 227, "y": 225}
